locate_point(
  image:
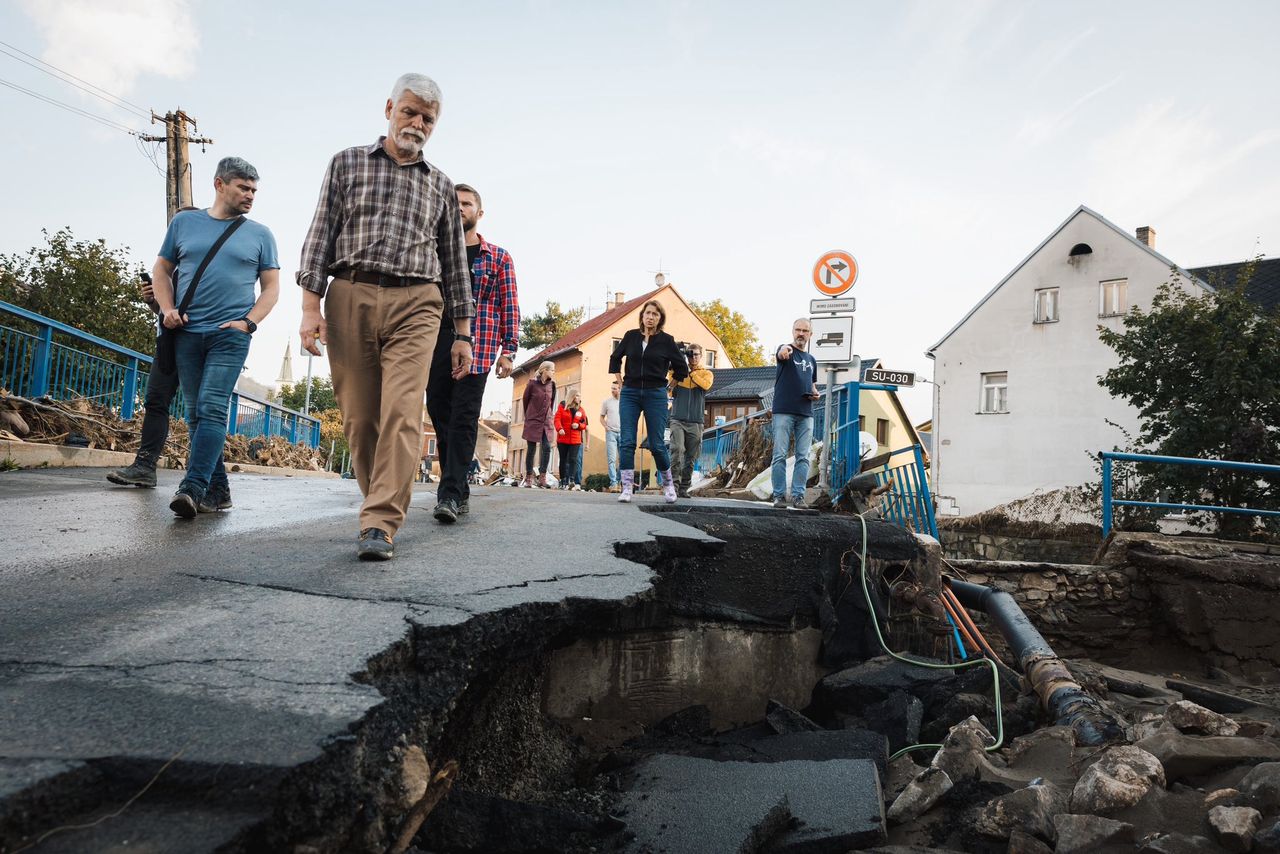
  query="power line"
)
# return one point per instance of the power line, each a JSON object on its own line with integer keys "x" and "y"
{"x": 111, "y": 123}
{"x": 115, "y": 100}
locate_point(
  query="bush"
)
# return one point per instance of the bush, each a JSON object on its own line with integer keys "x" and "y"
{"x": 596, "y": 483}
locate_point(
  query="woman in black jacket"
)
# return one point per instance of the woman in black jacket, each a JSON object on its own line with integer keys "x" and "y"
{"x": 649, "y": 354}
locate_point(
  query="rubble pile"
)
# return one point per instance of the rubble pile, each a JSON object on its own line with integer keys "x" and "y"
{"x": 1188, "y": 779}
{"x": 82, "y": 422}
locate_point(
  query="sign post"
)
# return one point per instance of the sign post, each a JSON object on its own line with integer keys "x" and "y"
{"x": 832, "y": 341}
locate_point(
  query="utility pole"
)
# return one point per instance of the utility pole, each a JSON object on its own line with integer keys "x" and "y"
{"x": 177, "y": 157}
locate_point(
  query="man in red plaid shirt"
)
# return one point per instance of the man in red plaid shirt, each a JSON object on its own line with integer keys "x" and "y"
{"x": 454, "y": 405}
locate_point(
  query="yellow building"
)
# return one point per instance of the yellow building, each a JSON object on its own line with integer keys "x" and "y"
{"x": 582, "y": 364}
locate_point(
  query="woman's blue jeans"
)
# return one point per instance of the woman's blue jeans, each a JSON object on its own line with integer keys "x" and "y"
{"x": 652, "y": 402}
{"x": 209, "y": 363}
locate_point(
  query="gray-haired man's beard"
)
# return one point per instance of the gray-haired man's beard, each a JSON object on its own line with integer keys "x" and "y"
{"x": 411, "y": 141}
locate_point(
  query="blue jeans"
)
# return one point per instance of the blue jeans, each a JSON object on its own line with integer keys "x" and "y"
{"x": 208, "y": 365}
{"x": 785, "y": 427}
{"x": 611, "y": 452}
{"x": 574, "y": 469}
{"x": 653, "y": 403}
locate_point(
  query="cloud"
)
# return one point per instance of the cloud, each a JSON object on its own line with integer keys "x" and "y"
{"x": 1040, "y": 129}
{"x": 111, "y": 43}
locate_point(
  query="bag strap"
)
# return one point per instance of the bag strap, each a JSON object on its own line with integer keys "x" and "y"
{"x": 213, "y": 250}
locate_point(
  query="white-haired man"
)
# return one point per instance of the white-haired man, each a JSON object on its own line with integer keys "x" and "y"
{"x": 388, "y": 230}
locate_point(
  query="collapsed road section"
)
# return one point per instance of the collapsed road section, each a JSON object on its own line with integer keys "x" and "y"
{"x": 706, "y": 677}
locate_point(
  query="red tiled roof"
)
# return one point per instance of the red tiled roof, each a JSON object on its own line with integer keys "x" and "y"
{"x": 588, "y": 330}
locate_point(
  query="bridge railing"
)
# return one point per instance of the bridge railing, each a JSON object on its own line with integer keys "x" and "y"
{"x": 1109, "y": 502}
{"x": 41, "y": 357}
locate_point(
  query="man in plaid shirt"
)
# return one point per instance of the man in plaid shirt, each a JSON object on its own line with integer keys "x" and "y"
{"x": 387, "y": 230}
{"x": 454, "y": 403}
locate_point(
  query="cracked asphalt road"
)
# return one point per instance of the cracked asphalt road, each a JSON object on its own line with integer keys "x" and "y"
{"x": 235, "y": 637}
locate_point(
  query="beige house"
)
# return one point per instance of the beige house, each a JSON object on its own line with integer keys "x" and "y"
{"x": 491, "y": 445}
{"x": 582, "y": 364}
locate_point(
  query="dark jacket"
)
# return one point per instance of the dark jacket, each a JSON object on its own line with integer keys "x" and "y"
{"x": 538, "y": 399}
{"x": 647, "y": 367}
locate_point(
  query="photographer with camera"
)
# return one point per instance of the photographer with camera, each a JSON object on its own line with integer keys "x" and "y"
{"x": 688, "y": 414}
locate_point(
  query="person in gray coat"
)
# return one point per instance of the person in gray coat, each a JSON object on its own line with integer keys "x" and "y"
{"x": 688, "y": 412}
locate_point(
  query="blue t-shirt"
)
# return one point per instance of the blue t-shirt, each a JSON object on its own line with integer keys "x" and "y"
{"x": 226, "y": 291}
{"x": 795, "y": 379}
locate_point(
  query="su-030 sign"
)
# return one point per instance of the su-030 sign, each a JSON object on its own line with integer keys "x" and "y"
{"x": 902, "y": 379}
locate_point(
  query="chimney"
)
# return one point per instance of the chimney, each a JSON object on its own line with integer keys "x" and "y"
{"x": 1146, "y": 234}
{"x": 659, "y": 280}
{"x": 618, "y": 299}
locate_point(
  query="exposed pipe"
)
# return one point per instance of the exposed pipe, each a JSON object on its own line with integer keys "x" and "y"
{"x": 1062, "y": 697}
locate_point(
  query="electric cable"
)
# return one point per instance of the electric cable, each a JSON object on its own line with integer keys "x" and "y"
{"x": 995, "y": 673}
{"x": 114, "y": 100}
{"x": 111, "y": 123}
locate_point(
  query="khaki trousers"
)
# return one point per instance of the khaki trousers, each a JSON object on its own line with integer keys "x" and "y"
{"x": 380, "y": 345}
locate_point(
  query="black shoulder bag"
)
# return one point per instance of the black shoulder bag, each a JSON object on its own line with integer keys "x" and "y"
{"x": 166, "y": 354}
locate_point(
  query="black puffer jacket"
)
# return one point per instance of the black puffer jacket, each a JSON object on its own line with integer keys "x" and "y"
{"x": 647, "y": 367}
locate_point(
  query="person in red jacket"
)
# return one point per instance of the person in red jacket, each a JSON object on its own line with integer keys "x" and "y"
{"x": 571, "y": 426}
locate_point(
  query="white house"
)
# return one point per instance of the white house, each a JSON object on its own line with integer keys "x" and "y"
{"x": 1017, "y": 406}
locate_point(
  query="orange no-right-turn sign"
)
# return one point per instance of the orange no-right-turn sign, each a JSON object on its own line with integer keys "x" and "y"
{"x": 835, "y": 273}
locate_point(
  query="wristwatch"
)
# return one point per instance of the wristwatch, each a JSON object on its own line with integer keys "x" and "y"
{"x": 253, "y": 327}
{"x": 467, "y": 338}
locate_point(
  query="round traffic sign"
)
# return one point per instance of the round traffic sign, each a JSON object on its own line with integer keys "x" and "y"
{"x": 835, "y": 273}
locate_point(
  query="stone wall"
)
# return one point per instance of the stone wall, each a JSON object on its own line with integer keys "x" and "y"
{"x": 969, "y": 545}
{"x": 1153, "y": 601}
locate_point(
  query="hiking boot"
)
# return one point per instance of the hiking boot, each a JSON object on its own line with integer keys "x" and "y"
{"x": 446, "y": 511}
{"x": 542, "y": 481}
{"x": 797, "y": 503}
{"x": 374, "y": 545}
{"x": 779, "y": 502}
{"x": 683, "y": 492}
{"x": 138, "y": 474}
{"x": 185, "y": 504}
{"x": 214, "y": 500}
{"x": 464, "y": 506}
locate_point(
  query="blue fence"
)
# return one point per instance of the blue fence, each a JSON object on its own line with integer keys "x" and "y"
{"x": 45, "y": 359}
{"x": 1109, "y": 503}
{"x": 908, "y": 502}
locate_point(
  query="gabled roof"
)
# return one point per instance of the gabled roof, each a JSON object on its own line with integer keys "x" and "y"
{"x": 1100, "y": 218}
{"x": 500, "y": 428}
{"x": 737, "y": 383}
{"x": 587, "y": 330}
{"x": 1263, "y": 288}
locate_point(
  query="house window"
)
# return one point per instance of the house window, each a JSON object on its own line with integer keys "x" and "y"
{"x": 431, "y": 447}
{"x": 862, "y": 423}
{"x": 709, "y": 358}
{"x": 1046, "y": 310}
{"x": 995, "y": 392}
{"x": 614, "y": 344}
{"x": 1113, "y": 297}
{"x": 519, "y": 414}
{"x": 882, "y": 431}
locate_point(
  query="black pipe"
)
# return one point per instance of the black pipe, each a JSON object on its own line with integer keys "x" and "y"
{"x": 1063, "y": 698}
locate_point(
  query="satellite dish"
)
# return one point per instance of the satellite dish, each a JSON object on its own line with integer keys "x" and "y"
{"x": 866, "y": 445}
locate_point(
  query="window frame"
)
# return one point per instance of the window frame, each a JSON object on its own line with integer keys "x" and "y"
{"x": 882, "y": 431}
{"x": 1036, "y": 305}
{"x": 1121, "y": 288}
{"x": 986, "y": 385}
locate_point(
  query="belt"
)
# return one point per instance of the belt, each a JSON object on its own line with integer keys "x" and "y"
{"x": 382, "y": 280}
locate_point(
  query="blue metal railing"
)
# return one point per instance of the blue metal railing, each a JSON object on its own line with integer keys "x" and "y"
{"x": 908, "y": 503}
{"x": 35, "y": 364}
{"x": 1109, "y": 503}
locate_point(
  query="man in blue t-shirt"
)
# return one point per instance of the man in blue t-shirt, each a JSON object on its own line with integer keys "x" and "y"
{"x": 795, "y": 388}
{"x": 212, "y": 333}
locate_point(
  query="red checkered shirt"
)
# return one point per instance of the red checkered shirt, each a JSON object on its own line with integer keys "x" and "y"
{"x": 496, "y": 325}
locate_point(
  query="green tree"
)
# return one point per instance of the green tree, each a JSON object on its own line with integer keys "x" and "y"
{"x": 82, "y": 283}
{"x": 734, "y": 331}
{"x": 539, "y": 330}
{"x": 322, "y": 397}
{"x": 1202, "y": 372}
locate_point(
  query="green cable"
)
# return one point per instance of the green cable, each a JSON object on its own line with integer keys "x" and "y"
{"x": 995, "y": 674}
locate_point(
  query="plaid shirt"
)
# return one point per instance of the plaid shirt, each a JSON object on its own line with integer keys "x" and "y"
{"x": 379, "y": 217}
{"x": 496, "y": 326}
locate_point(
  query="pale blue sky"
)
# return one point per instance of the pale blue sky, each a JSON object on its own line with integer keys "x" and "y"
{"x": 940, "y": 142}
